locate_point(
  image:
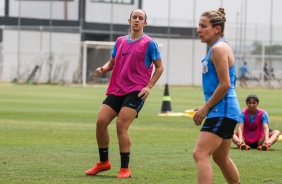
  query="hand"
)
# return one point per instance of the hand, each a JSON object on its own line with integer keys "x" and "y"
{"x": 144, "y": 93}
{"x": 267, "y": 142}
{"x": 201, "y": 113}
{"x": 98, "y": 71}
{"x": 239, "y": 142}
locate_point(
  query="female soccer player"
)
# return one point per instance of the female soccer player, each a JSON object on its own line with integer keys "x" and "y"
{"x": 221, "y": 109}
{"x": 133, "y": 57}
{"x": 253, "y": 127}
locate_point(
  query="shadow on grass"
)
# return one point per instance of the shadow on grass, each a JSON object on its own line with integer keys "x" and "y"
{"x": 101, "y": 176}
{"x": 271, "y": 149}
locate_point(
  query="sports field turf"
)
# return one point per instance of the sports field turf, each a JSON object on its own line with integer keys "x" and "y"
{"x": 47, "y": 135}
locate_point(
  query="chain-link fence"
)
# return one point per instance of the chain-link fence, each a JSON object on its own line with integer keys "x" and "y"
{"x": 36, "y": 54}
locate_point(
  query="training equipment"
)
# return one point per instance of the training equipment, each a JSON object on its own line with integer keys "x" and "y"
{"x": 173, "y": 114}
{"x": 190, "y": 112}
{"x": 187, "y": 113}
{"x": 280, "y": 138}
{"x": 124, "y": 173}
{"x": 99, "y": 167}
{"x": 166, "y": 106}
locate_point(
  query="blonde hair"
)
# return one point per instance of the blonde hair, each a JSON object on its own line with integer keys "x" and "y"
{"x": 217, "y": 18}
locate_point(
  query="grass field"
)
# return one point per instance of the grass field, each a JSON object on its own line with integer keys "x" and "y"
{"x": 47, "y": 135}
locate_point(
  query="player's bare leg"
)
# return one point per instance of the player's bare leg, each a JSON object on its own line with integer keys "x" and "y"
{"x": 125, "y": 118}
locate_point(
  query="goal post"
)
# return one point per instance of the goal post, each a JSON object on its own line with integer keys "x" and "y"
{"x": 95, "y": 54}
{"x": 95, "y": 45}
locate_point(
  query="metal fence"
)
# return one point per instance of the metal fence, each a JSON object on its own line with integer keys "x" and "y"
{"x": 62, "y": 63}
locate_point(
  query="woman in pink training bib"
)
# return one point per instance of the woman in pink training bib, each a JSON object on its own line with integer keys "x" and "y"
{"x": 253, "y": 128}
{"x": 132, "y": 60}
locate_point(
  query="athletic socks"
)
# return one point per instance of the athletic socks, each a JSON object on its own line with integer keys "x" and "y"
{"x": 124, "y": 158}
{"x": 104, "y": 154}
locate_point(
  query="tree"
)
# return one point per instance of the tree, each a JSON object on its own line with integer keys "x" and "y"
{"x": 273, "y": 50}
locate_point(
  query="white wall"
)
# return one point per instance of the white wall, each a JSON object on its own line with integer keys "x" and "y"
{"x": 41, "y": 9}
{"x": 180, "y": 67}
{"x": 107, "y": 13}
{"x": 34, "y": 47}
{"x": 182, "y": 64}
{"x": 2, "y": 7}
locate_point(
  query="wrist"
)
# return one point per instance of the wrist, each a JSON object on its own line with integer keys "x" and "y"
{"x": 207, "y": 106}
{"x": 150, "y": 86}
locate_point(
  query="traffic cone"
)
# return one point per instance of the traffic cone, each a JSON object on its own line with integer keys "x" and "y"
{"x": 166, "y": 107}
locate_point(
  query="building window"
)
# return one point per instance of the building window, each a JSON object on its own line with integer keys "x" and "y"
{"x": 115, "y": 1}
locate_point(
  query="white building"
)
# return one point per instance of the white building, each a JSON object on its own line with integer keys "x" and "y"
{"x": 47, "y": 34}
{"x": 41, "y": 39}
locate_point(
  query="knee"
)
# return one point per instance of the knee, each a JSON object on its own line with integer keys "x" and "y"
{"x": 120, "y": 126}
{"x": 275, "y": 132}
{"x": 197, "y": 155}
{"x": 101, "y": 124}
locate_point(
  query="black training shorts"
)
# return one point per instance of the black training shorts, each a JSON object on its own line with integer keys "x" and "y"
{"x": 221, "y": 126}
{"x": 130, "y": 100}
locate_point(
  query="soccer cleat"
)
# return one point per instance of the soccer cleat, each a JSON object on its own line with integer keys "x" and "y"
{"x": 244, "y": 147}
{"x": 99, "y": 167}
{"x": 124, "y": 173}
{"x": 264, "y": 148}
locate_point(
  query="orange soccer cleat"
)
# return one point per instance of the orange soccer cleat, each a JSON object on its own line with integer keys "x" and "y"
{"x": 263, "y": 147}
{"x": 124, "y": 173}
{"x": 99, "y": 167}
{"x": 244, "y": 147}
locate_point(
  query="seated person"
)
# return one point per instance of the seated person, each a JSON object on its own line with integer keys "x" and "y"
{"x": 253, "y": 128}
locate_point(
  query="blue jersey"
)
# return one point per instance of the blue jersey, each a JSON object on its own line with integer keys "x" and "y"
{"x": 264, "y": 117}
{"x": 228, "y": 106}
{"x": 243, "y": 70}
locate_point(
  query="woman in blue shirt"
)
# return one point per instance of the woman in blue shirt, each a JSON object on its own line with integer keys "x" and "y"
{"x": 221, "y": 109}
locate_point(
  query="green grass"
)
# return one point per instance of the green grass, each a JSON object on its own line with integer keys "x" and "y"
{"x": 47, "y": 135}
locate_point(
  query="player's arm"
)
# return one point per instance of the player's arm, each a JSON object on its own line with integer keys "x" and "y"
{"x": 240, "y": 133}
{"x": 156, "y": 59}
{"x": 144, "y": 93}
{"x": 265, "y": 123}
{"x": 219, "y": 57}
{"x": 106, "y": 68}
{"x": 109, "y": 65}
{"x": 266, "y": 132}
{"x": 157, "y": 74}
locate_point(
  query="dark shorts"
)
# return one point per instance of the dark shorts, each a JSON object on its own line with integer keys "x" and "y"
{"x": 255, "y": 144}
{"x": 223, "y": 127}
{"x": 243, "y": 77}
{"x": 130, "y": 100}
